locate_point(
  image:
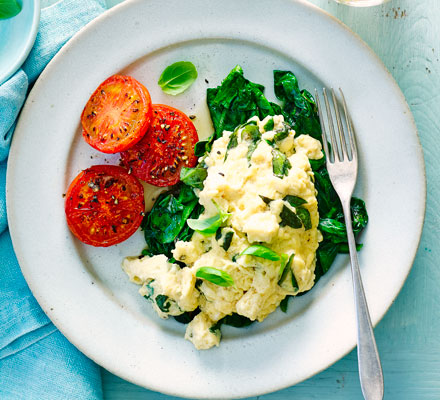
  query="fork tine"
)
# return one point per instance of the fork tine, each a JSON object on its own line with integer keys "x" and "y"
{"x": 321, "y": 120}
{"x": 331, "y": 127}
{"x": 351, "y": 137}
{"x": 340, "y": 128}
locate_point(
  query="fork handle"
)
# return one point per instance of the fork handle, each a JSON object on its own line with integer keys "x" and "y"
{"x": 370, "y": 369}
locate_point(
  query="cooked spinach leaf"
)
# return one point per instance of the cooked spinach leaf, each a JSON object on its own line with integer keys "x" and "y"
{"x": 193, "y": 177}
{"x": 304, "y": 215}
{"x": 215, "y": 276}
{"x": 236, "y": 100}
{"x": 284, "y": 303}
{"x": 343, "y": 248}
{"x": 265, "y": 199}
{"x": 163, "y": 303}
{"x": 150, "y": 290}
{"x": 299, "y": 108}
{"x": 187, "y": 316}
{"x": 233, "y": 142}
{"x": 294, "y": 201}
{"x": 203, "y": 146}
{"x": 280, "y": 164}
{"x": 224, "y": 237}
{"x": 235, "y": 320}
{"x": 252, "y": 134}
{"x": 289, "y": 218}
{"x": 166, "y": 222}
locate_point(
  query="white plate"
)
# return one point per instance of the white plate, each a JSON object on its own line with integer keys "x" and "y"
{"x": 83, "y": 289}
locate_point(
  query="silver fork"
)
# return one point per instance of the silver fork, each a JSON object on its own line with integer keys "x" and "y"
{"x": 342, "y": 165}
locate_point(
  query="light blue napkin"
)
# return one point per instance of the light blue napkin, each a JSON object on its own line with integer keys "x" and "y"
{"x": 36, "y": 361}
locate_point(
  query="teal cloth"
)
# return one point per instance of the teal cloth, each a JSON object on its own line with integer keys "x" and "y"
{"x": 36, "y": 360}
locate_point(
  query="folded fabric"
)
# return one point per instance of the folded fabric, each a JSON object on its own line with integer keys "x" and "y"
{"x": 36, "y": 361}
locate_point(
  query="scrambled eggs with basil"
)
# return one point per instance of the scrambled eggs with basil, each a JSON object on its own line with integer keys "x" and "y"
{"x": 256, "y": 240}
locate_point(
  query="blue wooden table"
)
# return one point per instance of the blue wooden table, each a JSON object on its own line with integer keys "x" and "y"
{"x": 405, "y": 34}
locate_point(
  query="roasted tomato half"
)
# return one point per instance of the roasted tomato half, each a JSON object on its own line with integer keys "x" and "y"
{"x": 104, "y": 205}
{"x": 117, "y": 114}
{"x": 167, "y": 146}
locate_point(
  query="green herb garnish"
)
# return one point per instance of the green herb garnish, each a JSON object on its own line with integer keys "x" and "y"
{"x": 215, "y": 276}
{"x": 193, "y": 177}
{"x": 289, "y": 218}
{"x": 208, "y": 226}
{"x": 280, "y": 164}
{"x": 294, "y": 201}
{"x": 268, "y": 126}
{"x": 257, "y": 250}
{"x": 177, "y": 77}
{"x": 9, "y": 8}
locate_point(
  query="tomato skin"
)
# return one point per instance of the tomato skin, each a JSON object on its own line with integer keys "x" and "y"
{"x": 104, "y": 205}
{"x": 167, "y": 146}
{"x": 117, "y": 115}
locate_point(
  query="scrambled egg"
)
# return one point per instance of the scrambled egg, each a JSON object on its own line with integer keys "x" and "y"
{"x": 244, "y": 184}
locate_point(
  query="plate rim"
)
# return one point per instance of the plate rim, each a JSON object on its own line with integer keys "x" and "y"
{"x": 28, "y": 43}
{"x": 396, "y": 90}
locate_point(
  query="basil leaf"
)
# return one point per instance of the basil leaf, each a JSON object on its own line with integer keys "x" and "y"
{"x": 9, "y": 8}
{"x": 177, "y": 77}
{"x": 280, "y": 164}
{"x": 304, "y": 215}
{"x": 294, "y": 201}
{"x": 257, "y": 250}
{"x": 268, "y": 126}
{"x": 284, "y": 262}
{"x": 289, "y": 218}
{"x": 284, "y": 271}
{"x": 252, "y": 133}
{"x": 282, "y": 133}
{"x": 233, "y": 142}
{"x": 294, "y": 282}
{"x": 215, "y": 276}
{"x": 193, "y": 176}
{"x": 208, "y": 226}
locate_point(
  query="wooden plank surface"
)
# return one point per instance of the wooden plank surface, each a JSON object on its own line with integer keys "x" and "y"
{"x": 405, "y": 34}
